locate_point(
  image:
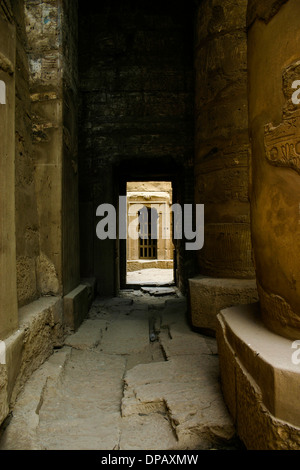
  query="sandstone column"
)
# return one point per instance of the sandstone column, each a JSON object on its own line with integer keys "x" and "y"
{"x": 259, "y": 361}
{"x": 8, "y": 285}
{"x": 274, "y": 111}
{"x": 221, "y": 161}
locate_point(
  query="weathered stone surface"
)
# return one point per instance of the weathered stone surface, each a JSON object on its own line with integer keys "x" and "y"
{"x": 263, "y": 11}
{"x": 47, "y": 276}
{"x": 154, "y": 432}
{"x": 125, "y": 336}
{"x": 154, "y": 388}
{"x": 8, "y": 297}
{"x": 51, "y": 38}
{"x": 4, "y": 407}
{"x": 208, "y": 296}
{"x": 227, "y": 250}
{"x": 259, "y": 380}
{"x": 189, "y": 375}
{"x": 14, "y": 345}
{"x": 26, "y": 280}
{"x": 219, "y": 17}
{"x": 91, "y": 287}
{"x": 27, "y": 224}
{"x": 40, "y": 329}
{"x": 76, "y": 307}
{"x": 222, "y": 142}
{"x": 275, "y": 190}
{"x": 88, "y": 336}
{"x": 21, "y": 435}
{"x": 74, "y": 400}
{"x": 92, "y": 419}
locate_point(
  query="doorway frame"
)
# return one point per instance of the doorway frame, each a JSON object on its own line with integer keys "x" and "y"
{"x": 131, "y": 171}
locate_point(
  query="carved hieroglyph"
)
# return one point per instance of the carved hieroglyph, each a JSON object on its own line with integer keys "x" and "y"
{"x": 282, "y": 143}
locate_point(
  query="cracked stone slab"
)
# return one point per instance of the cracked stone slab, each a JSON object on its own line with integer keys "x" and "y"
{"x": 175, "y": 343}
{"x": 126, "y": 336}
{"x": 154, "y": 432}
{"x": 21, "y": 432}
{"x": 187, "y": 387}
{"x": 88, "y": 336}
{"x": 152, "y": 352}
{"x": 100, "y": 432}
{"x": 83, "y": 412}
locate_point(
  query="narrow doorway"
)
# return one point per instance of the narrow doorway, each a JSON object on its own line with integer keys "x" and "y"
{"x": 149, "y": 248}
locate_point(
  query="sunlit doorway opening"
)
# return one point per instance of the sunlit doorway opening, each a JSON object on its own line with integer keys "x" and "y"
{"x": 150, "y": 249}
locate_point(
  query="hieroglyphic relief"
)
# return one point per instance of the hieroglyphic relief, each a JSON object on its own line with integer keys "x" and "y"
{"x": 282, "y": 143}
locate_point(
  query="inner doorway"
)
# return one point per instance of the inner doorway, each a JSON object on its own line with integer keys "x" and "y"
{"x": 150, "y": 249}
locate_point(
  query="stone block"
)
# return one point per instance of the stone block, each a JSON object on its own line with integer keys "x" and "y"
{"x": 4, "y": 409}
{"x": 260, "y": 380}
{"x": 91, "y": 285}
{"x": 76, "y": 307}
{"x": 208, "y": 296}
{"x": 14, "y": 351}
{"x": 40, "y": 328}
{"x": 28, "y": 347}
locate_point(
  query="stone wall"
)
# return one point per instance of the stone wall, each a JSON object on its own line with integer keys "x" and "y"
{"x": 27, "y": 223}
{"x": 52, "y": 46}
{"x": 136, "y": 89}
{"x": 8, "y": 297}
{"x": 39, "y": 188}
{"x": 43, "y": 46}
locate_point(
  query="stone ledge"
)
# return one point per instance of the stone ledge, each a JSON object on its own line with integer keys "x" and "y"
{"x": 208, "y": 296}
{"x": 26, "y": 412}
{"x": 40, "y": 329}
{"x": 76, "y": 305}
{"x": 259, "y": 380}
{"x": 91, "y": 284}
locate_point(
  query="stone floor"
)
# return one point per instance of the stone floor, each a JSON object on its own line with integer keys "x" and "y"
{"x": 133, "y": 377}
{"x": 151, "y": 276}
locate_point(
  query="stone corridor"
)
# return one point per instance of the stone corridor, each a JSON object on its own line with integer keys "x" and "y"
{"x": 110, "y": 387}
